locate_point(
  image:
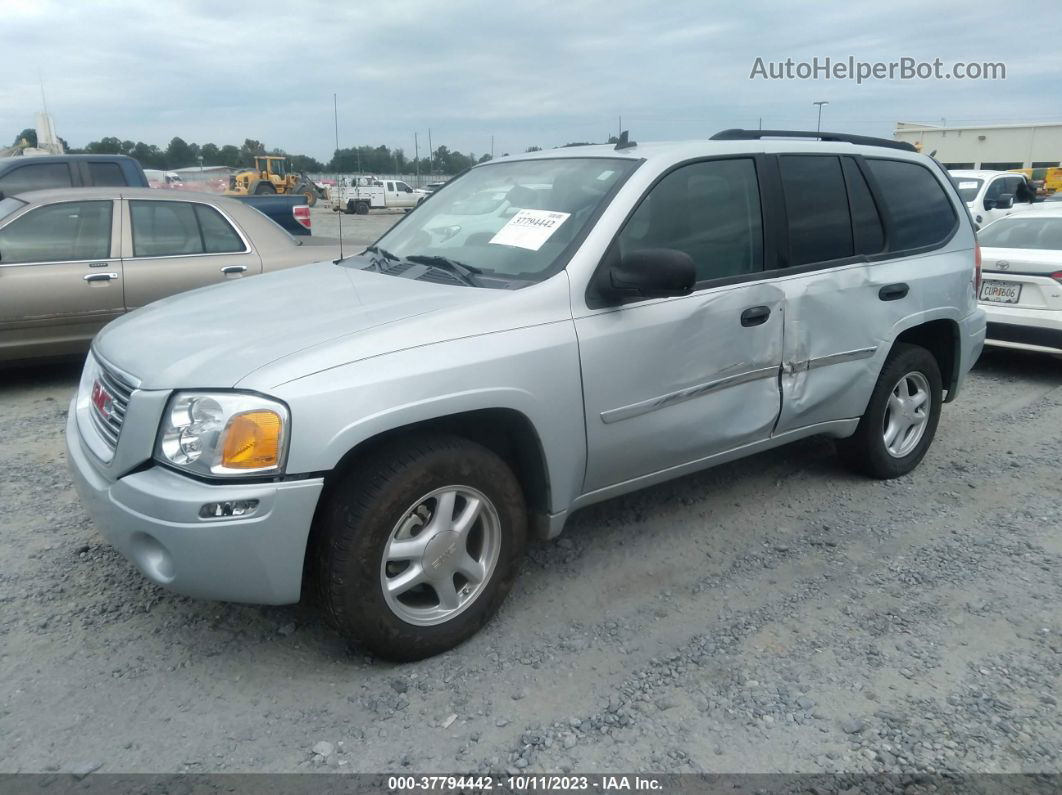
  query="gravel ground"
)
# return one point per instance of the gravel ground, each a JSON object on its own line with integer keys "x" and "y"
{"x": 776, "y": 614}
{"x": 358, "y": 230}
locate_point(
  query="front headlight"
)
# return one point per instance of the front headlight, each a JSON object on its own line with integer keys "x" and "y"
{"x": 223, "y": 434}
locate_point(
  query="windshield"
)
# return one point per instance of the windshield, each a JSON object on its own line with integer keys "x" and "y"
{"x": 1038, "y": 233}
{"x": 509, "y": 223}
{"x": 9, "y": 205}
{"x": 968, "y": 187}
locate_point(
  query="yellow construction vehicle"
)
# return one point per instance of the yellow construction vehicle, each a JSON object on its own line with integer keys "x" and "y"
{"x": 1045, "y": 180}
{"x": 270, "y": 175}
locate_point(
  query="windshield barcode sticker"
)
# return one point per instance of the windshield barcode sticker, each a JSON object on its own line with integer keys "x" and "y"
{"x": 529, "y": 229}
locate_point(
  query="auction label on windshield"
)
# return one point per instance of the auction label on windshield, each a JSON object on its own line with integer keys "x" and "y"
{"x": 530, "y": 229}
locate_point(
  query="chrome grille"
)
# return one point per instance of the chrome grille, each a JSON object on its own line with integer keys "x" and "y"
{"x": 108, "y": 423}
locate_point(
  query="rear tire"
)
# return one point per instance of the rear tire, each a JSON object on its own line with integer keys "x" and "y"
{"x": 397, "y": 502}
{"x": 361, "y": 208}
{"x": 901, "y": 419}
{"x": 264, "y": 188}
{"x": 310, "y": 192}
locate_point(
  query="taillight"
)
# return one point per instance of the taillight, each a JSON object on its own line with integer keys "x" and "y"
{"x": 977, "y": 269}
{"x": 1057, "y": 276}
{"x": 302, "y": 214}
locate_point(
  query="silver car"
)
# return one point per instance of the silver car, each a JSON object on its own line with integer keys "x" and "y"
{"x": 73, "y": 260}
{"x": 389, "y": 430}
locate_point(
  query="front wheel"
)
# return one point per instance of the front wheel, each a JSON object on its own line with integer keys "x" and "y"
{"x": 417, "y": 548}
{"x": 898, "y": 426}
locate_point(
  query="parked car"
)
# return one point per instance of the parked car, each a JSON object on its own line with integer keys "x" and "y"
{"x": 991, "y": 195}
{"x": 371, "y": 193}
{"x": 397, "y": 423}
{"x": 39, "y": 172}
{"x": 73, "y": 260}
{"x": 289, "y": 212}
{"x": 1022, "y": 290}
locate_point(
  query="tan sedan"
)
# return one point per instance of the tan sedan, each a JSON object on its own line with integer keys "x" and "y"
{"x": 72, "y": 261}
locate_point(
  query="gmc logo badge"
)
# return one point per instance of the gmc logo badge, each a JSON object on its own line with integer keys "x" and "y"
{"x": 102, "y": 400}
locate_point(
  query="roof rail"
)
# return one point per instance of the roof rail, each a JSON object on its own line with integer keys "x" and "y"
{"x": 862, "y": 140}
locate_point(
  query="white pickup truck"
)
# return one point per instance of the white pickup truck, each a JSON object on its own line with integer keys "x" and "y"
{"x": 362, "y": 194}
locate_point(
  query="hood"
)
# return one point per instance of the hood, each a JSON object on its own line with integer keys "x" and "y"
{"x": 215, "y": 336}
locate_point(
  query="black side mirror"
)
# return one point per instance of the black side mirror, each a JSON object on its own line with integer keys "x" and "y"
{"x": 653, "y": 273}
{"x": 1003, "y": 201}
{"x": 408, "y": 189}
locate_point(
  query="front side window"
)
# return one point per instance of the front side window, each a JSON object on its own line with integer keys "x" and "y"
{"x": 710, "y": 211}
{"x": 36, "y": 176}
{"x": 1023, "y": 231}
{"x": 816, "y": 205}
{"x": 920, "y": 211}
{"x": 70, "y": 231}
{"x": 510, "y": 221}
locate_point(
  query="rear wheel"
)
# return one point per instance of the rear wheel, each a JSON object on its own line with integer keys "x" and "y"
{"x": 418, "y": 548}
{"x": 901, "y": 419}
{"x": 264, "y": 188}
{"x": 361, "y": 208}
{"x": 310, "y": 192}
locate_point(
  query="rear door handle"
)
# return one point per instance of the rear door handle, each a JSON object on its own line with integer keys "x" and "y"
{"x": 99, "y": 277}
{"x": 755, "y": 315}
{"x": 894, "y": 292}
{"x": 234, "y": 269}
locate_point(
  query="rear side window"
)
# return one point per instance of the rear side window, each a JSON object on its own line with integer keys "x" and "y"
{"x": 218, "y": 235}
{"x": 171, "y": 228}
{"x": 164, "y": 229}
{"x": 709, "y": 210}
{"x": 816, "y": 205}
{"x": 106, "y": 174}
{"x": 63, "y": 232}
{"x": 36, "y": 176}
{"x": 867, "y": 231}
{"x": 920, "y": 211}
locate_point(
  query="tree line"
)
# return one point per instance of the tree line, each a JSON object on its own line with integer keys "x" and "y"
{"x": 352, "y": 160}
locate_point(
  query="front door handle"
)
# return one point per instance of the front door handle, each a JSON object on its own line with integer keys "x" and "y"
{"x": 894, "y": 292}
{"x": 755, "y": 315}
{"x": 99, "y": 277}
{"x": 234, "y": 269}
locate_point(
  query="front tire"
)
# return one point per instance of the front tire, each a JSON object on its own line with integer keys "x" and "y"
{"x": 901, "y": 419}
{"x": 418, "y": 547}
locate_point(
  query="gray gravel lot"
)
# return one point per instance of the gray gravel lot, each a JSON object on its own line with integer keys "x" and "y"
{"x": 776, "y": 614}
{"x": 358, "y": 230}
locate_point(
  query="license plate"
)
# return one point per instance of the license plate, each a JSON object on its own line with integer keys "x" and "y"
{"x": 1000, "y": 292}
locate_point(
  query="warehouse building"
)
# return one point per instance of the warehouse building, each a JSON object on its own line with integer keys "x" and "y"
{"x": 996, "y": 147}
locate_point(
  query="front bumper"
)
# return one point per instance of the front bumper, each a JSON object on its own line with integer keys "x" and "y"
{"x": 152, "y": 517}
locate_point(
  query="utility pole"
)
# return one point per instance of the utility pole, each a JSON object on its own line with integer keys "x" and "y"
{"x": 492, "y": 147}
{"x": 416, "y": 156}
{"x": 820, "y": 103}
{"x": 431, "y": 154}
{"x": 761, "y": 123}
{"x": 619, "y": 127}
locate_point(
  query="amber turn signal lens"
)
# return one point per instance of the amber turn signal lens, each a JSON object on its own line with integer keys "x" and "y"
{"x": 252, "y": 440}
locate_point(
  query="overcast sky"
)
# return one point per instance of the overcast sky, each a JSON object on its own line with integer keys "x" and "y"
{"x": 528, "y": 73}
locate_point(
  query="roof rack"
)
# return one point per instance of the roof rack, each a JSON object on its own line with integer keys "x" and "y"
{"x": 862, "y": 140}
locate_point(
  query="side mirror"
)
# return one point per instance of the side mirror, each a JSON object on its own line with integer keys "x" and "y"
{"x": 653, "y": 273}
{"x": 1003, "y": 201}
{"x": 408, "y": 189}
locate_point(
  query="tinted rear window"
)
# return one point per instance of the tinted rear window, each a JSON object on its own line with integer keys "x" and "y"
{"x": 816, "y": 204}
{"x": 866, "y": 222}
{"x": 106, "y": 174}
{"x": 1023, "y": 232}
{"x": 35, "y": 176}
{"x": 919, "y": 209}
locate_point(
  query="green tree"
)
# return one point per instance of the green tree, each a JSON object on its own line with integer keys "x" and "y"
{"x": 533, "y": 149}
{"x": 179, "y": 154}
{"x": 210, "y": 154}
{"x": 105, "y": 146}
{"x": 29, "y": 135}
{"x": 229, "y": 156}
{"x": 249, "y": 150}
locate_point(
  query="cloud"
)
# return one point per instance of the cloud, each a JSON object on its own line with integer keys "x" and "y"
{"x": 531, "y": 73}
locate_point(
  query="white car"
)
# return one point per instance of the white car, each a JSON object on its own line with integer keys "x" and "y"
{"x": 991, "y": 195}
{"x": 1021, "y": 287}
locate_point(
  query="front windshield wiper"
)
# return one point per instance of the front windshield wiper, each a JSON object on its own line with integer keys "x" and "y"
{"x": 380, "y": 252}
{"x": 465, "y": 273}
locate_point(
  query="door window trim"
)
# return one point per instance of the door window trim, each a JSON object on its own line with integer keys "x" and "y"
{"x": 593, "y": 296}
{"x": 247, "y": 249}
{"x": 116, "y": 233}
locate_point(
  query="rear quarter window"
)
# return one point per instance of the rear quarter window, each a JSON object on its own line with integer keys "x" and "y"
{"x": 919, "y": 210}
{"x": 35, "y": 176}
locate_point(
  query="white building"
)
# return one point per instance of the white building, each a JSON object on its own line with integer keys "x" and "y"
{"x": 997, "y": 147}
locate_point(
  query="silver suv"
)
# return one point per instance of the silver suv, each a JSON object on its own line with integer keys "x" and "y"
{"x": 544, "y": 332}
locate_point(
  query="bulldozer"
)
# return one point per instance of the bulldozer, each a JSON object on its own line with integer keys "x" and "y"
{"x": 270, "y": 175}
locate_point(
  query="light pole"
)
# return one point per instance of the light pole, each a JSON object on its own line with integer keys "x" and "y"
{"x": 820, "y": 103}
